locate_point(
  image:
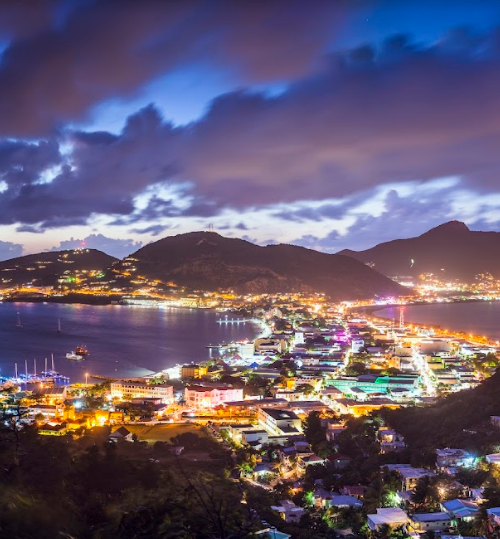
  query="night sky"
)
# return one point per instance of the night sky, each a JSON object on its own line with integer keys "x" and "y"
{"x": 328, "y": 124}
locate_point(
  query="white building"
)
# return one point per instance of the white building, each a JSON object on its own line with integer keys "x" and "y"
{"x": 140, "y": 390}
{"x": 387, "y": 516}
{"x": 279, "y": 422}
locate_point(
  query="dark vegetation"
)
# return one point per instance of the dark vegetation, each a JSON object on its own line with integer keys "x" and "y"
{"x": 459, "y": 420}
{"x": 91, "y": 488}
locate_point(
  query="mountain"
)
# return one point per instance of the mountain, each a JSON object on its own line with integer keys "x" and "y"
{"x": 208, "y": 261}
{"x": 450, "y": 250}
{"x": 44, "y": 269}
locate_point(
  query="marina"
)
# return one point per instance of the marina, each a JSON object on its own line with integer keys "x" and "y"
{"x": 122, "y": 340}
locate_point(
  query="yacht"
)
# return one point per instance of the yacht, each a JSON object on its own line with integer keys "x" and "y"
{"x": 72, "y": 355}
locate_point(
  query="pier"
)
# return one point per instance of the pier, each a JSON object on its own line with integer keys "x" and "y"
{"x": 234, "y": 320}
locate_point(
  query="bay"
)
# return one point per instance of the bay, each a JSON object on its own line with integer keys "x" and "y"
{"x": 478, "y": 318}
{"x": 122, "y": 340}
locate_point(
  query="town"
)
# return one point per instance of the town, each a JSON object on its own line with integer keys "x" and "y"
{"x": 308, "y": 413}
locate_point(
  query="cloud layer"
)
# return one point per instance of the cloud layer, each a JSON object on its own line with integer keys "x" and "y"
{"x": 115, "y": 247}
{"x": 341, "y": 127}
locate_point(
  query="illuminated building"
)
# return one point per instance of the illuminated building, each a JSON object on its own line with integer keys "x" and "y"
{"x": 210, "y": 397}
{"x": 134, "y": 390}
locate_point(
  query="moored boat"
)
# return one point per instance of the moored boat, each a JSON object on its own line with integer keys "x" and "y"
{"x": 73, "y": 356}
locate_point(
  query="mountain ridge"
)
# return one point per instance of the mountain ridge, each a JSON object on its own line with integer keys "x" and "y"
{"x": 209, "y": 261}
{"x": 450, "y": 250}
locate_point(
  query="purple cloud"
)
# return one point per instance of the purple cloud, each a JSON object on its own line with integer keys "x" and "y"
{"x": 112, "y": 246}
{"x": 10, "y": 249}
{"x": 61, "y": 62}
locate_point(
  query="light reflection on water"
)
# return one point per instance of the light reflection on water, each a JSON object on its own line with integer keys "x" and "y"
{"x": 122, "y": 340}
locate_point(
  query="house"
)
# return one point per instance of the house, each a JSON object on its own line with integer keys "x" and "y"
{"x": 410, "y": 476}
{"x": 460, "y": 509}
{"x": 289, "y": 512}
{"x": 255, "y": 438}
{"x": 121, "y": 434}
{"x": 324, "y": 499}
{"x": 263, "y": 470}
{"x": 357, "y": 491}
{"x": 341, "y": 501}
{"x": 53, "y": 429}
{"x": 334, "y": 430}
{"x": 423, "y": 522}
{"x": 390, "y": 440}
{"x": 453, "y": 457}
{"x": 387, "y": 516}
{"x": 310, "y": 460}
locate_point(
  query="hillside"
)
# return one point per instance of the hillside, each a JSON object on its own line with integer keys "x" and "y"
{"x": 44, "y": 269}
{"x": 461, "y": 419}
{"x": 208, "y": 261}
{"x": 450, "y": 250}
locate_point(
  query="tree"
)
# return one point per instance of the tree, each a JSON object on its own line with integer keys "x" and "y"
{"x": 313, "y": 429}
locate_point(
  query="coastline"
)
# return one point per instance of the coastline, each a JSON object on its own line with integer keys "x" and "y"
{"x": 473, "y": 337}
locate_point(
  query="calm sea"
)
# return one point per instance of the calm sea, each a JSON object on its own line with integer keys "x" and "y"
{"x": 122, "y": 340}
{"x": 480, "y": 318}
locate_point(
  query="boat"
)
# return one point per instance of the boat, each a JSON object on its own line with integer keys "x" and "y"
{"x": 72, "y": 355}
{"x": 81, "y": 350}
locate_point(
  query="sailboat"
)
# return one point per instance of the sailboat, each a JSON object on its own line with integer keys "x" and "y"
{"x": 19, "y": 324}
{"x": 59, "y": 325}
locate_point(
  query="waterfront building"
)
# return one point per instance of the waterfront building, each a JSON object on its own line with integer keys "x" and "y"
{"x": 140, "y": 390}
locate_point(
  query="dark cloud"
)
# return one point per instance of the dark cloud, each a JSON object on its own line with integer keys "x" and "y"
{"x": 153, "y": 230}
{"x": 9, "y": 249}
{"x": 61, "y": 62}
{"x": 313, "y": 242}
{"x": 401, "y": 217}
{"x": 370, "y": 117}
{"x": 22, "y": 163}
{"x": 112, "y": 246}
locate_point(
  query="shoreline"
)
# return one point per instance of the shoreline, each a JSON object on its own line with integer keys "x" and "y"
{"x": 473, "y": 338}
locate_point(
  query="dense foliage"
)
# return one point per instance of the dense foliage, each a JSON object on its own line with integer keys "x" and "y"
{"x": 459, "y": 420}
{"x": 91, "y": 488}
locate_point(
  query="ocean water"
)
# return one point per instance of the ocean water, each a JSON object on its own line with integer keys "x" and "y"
{"x": 479, "y": 318}
{"x": 122, "y": 340}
